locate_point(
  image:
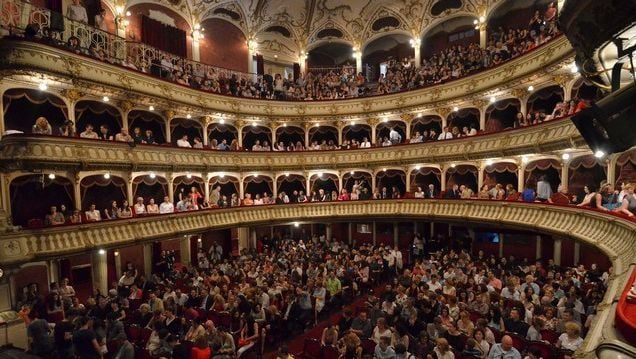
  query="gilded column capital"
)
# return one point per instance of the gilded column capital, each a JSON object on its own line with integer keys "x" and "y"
{"x": 407, "y": 117}
{"x": 444, "y": 111}
{"x": 562, "y": 79}
{"x": 519, "y": 93}
{"x": 480, "y": 104}
{"x": 240, "y": 123}
{"x": 206, "y": 120}
{"x": 72, "y": 94}
{"x": 373, "y": 121}
{"x": 169, "y": 114}
{"x": 126, "y": 106}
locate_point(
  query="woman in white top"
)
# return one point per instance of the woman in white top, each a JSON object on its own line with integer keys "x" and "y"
{"x": 419, "y": 193}
{"x": 77, "y": 12}
{"x": 140, "y": 207}
{"x": 380, "y": 330}
{"x": 571, "y": 339}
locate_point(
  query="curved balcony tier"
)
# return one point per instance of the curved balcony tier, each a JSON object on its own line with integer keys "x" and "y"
{"x": 27, "y": 59}
{"x": 62, "y": 152}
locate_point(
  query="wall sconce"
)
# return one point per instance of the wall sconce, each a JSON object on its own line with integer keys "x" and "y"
{"x": 480, "y": 23}
{"x": 415, "y": 42}
{"x": 252, "y": 45}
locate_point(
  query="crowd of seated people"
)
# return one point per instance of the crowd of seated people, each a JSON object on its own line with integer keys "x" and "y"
{"x": 448, "y": 64}
{"x": 448, "y": 302}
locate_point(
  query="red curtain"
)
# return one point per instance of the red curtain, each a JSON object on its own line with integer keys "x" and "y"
{"x": 163, "y": 37}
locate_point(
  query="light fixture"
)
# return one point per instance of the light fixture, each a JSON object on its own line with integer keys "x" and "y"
{"x": 493, "y": 99}
{"x": 188, "y": 116}
{"x": 530, "y": 88}
{"x": 151, "y": 108}
{"x": 253, "y": 124}
{"x": 255, "y": 175}
{"x": 222, "y": 175}
{"x": 565, "y": 156}
{"x": 101, "y": 252}
{"x": 128, "y": 13}
{"x": 482, "y": 18}
{"x": 287, "y": 174}
{"x": 296, "y": 224}
{"x": 319, "y": 174}
{"x": 116, "y": 253}
{"x": 106, "y": 175}
{"x": 285, "y": 124}
{"x": 222, "y": 121}
{"x": 574, "y": 69}
{"x": 384, "y": 170}
{"x": 43, "y": 85}
{"x": 385, "y": 120}
{"x": 488, "y": 162}
{"x": 455, "y": 109}
{"x": 453, "y": 165}
{"x": 188, "y": 175}
{"x": 353, "y": 123}
{"x": 199, "y": 240}
{"x": 352, "y": 173}
{"x": 105, "y": 99}
{"x": 415, "y": 42}
{"x": 524, "y": 159}
{"x": 417, "y": 168}
{"x": 599, "y": 154}
{"x": 152, "y": 175}
{"x": 52, "y": 176}
{"x": 317, "y": 125}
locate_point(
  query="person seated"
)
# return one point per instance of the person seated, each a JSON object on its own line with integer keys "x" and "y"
{"x": 42, "y": 127}
{"x": 104, "y": 133}
{"x": 126, "y": 211}
{"x": 124, "y": 136}
{"x": 140, "y": 207}
{"x": 505, "y": 349}
{"x": 166, "y": 206}
{"x": 152, "y": 207}
{"x": 248, "y": 200}
{"x": 67, "y": 130}
{"x": 628, "y": 204}
{"x": 571, "y": 339}
{"x": 54, "y": 218}
{"x": 75, "y": 217}
{"x": 138, "y": 136}
{"x": 183, "y": 142}
{"x": 419, "y": 193}
{"x": 93, "y": 215}
{"x": 89, "y": 132}
{"x": 149, "y": 138}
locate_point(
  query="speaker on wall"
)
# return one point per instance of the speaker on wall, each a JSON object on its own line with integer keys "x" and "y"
{"x": 609, "y": 125}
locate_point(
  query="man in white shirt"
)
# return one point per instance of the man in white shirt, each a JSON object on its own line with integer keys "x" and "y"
{"x": 395, "y": 136}
{"x": 183, "y": 142}
{"x": 77, "y": 12}
{"x": 93, "y": 214}
{"x": 365, "y": 143}
{"x": 166, "y": 206}
{"x": 445, "y": 135}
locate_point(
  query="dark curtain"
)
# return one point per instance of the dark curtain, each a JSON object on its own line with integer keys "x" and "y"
{"x": 92, "y": 8}
{"x": 327, "y": 183}
{"x": 464, "y": 118}
{"x": 318, "y": 134}
{"x": 23, "y": 107}
{"x": 163, "y": 37}
{"x": 148, "y": 121}
{"x": 57, "y": 20}
{"x": 147, "y": 191}
{"x": 357, "y": 132}
{"x": 259, "y": 188}
{"x": 291, "y": 184}
{"x": 260, "y": 65}
{"x": 97, "y": 114}
{"x": 31, "y": 197}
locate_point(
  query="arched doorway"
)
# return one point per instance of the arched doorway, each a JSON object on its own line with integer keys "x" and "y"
{"x": 391, "y": 178}
{"x": 97, "y": 114}
{"x": 462, "y": 175}
{"x": 101, "y": 191}
{"x": 23, "y": 106}
{"x": 148, "y": 121}
{"x": 147, "y": 187}
{"x": 219, "y": 132}
{"x": 32, "y": 196}
{"x": 252, "y": 134}
{"x": 502, "y": 114}
{"x": 291, "y": 137}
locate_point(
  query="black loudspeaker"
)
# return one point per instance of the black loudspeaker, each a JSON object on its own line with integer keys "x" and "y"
{"x": 609, "y": 125}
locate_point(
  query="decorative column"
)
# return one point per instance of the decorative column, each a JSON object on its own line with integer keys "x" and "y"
{"x": 275, "y": 187}
{"x": 2, "y": 116}
{"x": 373, "y": 122}
{"x": 416, "y": 43}
{"x": 373, "y": 181}
{"x": 169, "y": 115}
{"x": 73, "y": 96}
{"x": 481, "y": 105}
{"x": 480, "y": 176}
{"x": 577, "y": 252}
{"x": 239, "y": 127}
{"x": 273, "y": 128}
{"x": 566, "y": 82}
{"x": 129, "y": 191}
{"x": 185, "y": 250}
{"x": 565, "y": 173}
{"x": 357, "y": 54}
{"x": 521, "y": 176}
{"x": 408, "y": 171}
{"x": 407, "y": 118}
{"x": 483, "y": 36}
{"x": 99, "y": 271}
{"x": 77, "y": 192}
{"x": 328, "y": 231}
{"x": 126, "y": 107}
{"x": 308, "y": 183}
{"x": 558, "y": 242}
{"x": 350, "y": 234}
{"x": 196, "y": 38}
{"x": 307, "y": 127}
{"x": 442, "y": 177}
{"x": 206, "y": 187}
{"x": 205, "y": 123}
{"x": 302, "y": 62}
{"x": 243, "y": 238}
{"x": 170, "y": 178}
{"x": 54, "y": 270}
{"x": 537, "y": 253}
{"x": 611, "y": 167}
{"x": 252, "y": 46}
{"x": 340, "y": 126}
{"x": 147, "y": 247}
{"x": 522, "y": 95}
{"x": 444, "y": 112}
{"x": 340, "y": 181}
{"x": 241, "y": 186}
{"x": 117, "y": 264}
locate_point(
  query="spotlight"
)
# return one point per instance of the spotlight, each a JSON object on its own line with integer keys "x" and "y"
{"x": 352, "y": 173}
{"x": 101, "y": 252}
{"x": 116, "y": 254}
{"x": 106, "y": 175}
{"x": 599, "y": 154}
{"x": 188, "y": 116}
{"x": 43, "y": 86}
{"x": 151, "y": 108}
{"x": 493, "y": 99}
{"x": 189, "y": 176}
{"x": 52, "y": 176}
{"x": 221, "y": 121}
{"x": 453, "y": 165}
{"x": 530, "y": 88}
{"x": 565, "y": 156}
{"x": 152, "y": 175}
{"x": 296, "y": 224}
{"x": 105, "y": 99}
{"x": 455, "y": 109}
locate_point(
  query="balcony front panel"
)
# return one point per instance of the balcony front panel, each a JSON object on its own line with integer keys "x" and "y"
{"x": 20, "y": 55}
{"x": 45, "y": 151}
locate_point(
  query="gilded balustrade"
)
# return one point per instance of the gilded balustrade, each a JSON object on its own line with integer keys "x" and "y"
{"x": 59, "y": 152}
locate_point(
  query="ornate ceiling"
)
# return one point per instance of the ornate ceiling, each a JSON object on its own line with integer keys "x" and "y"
{"x": 291, "y": 27}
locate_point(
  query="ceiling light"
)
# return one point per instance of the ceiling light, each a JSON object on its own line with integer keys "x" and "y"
{"x": 453, "y": 165}
{"x": 352, "y": 173}
{"x": 353, "y": 123}
{"x": 128, "y": 13}
{"x": 222, "y": 121}
{"x": 107, "y": 175}
{"x": 189, "y": 175}
{"x": 475, "y": 22}
{"x": 52, "y": 176}
{"x": 317, "y": 125}
{"x": 493, "y": 99}
{"x": 482, "y": 18}
{"x": 417, "y": 168}
{"x": 319, "y": 174}
{"x": 199, "y": 240}
{"x": 530, "y": 88}
{"x": 385, "y": 120}
{"x": 151, "y": 108}
{"x": 599, "y": 154}
{"x": 284, "y": 124}
{"x": 488, "y": 162}
{"x": 524, "y": 159}
{"x": 105, "y": 99}
{"x": 152, "y": 175}
{"x": 43, "y": 86}
{"x": 287, "y": 174}
{"x": 565, "y": 156}
{"x": 253, "y": 124}
{"x": 222, "y": 175}
{"x": 188, "y": 116}
{"x": 101, "y": 252}
{"x": 296, "y": 224}
{"x": 384, "y": 170}
{"x": 455, "y": 109}
{"x": 574, "y": 69}
{"x": 116, "y": 254}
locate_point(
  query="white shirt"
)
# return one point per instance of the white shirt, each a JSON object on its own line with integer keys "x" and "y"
{"x": 140, "y": 208}
{"x": 77, "y": 13}
{"x": 166, "y": 207}
{"x": 184, "y": 143}
{"x": 395, "y": 136}
{"x": 445, "y": 136}
{"x": 93, "y": 215}
{"x": 366, "y": 144}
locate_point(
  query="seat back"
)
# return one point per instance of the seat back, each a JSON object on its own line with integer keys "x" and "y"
{"x": 368, "y": 346}
{"x": 311, "y": 348}
{"x": 547, "y": 351}
{"x": 518, "y": 341}
{"x": 329, "y": 352}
